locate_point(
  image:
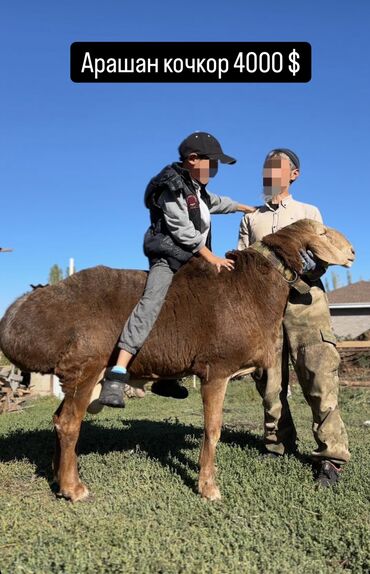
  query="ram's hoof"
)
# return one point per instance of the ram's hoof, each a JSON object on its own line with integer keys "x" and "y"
{"x": 210, "y": 492}
{"x": 76, "y": 494}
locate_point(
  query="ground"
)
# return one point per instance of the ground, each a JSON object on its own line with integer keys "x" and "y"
{"x": 144, "y": 515}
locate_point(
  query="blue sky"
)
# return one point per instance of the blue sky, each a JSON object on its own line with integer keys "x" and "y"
{"x": 75, "y": 158}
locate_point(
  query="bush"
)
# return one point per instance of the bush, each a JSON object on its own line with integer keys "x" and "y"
{"x": 3, "y": 360}
{"x": 363, "y": 360}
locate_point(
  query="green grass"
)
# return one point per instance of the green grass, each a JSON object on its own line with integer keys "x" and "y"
{"x": 144, "y": 515}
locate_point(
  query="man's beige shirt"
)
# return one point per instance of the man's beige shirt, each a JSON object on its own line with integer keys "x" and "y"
{"x": 265, "y": 220}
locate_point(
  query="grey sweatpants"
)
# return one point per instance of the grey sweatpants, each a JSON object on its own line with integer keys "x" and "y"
{"x": 140, "y": 322}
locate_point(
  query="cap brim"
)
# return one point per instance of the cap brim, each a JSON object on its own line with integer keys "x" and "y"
{"x": 223, "y": 158}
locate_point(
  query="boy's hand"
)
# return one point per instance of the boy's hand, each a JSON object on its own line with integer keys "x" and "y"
{"x": 219, "y": 262}
{"x": 246, "y": 208}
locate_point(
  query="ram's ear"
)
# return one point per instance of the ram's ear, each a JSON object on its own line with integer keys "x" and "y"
{"x": 323, "y": 250}
{"x": 232, "y": 255}
{"x": 332, "y": 248}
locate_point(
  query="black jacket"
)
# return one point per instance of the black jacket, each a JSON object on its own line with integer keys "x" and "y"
{"x": 158, "y": 242}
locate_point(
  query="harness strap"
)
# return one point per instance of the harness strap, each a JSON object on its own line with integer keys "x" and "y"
{"x": 288, "y": 274}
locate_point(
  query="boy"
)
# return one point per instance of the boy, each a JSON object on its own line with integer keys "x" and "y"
{"x": 180, "y": 208}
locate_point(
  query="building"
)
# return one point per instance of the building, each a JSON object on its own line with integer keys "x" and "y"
{"x": 350, "y": 309}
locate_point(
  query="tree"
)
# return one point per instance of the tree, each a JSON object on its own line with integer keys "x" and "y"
{"x": 335, "y": 280}
{"x": 326, "y": 283}
{"x": 67, "y": 271}
{"x": 349, "y": 277}
{"x": 55, "y": 274}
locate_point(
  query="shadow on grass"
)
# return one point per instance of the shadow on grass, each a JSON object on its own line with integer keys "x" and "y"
{"x": 163, "y": 441}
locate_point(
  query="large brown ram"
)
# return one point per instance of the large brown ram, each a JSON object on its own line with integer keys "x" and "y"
{"x": 212, "y": 325}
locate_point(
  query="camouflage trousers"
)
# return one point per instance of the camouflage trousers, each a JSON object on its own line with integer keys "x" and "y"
{"x": 308, "y": 337}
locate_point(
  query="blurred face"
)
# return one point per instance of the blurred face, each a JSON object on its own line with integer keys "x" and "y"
{"x": 277, "y": 175}
{"x": 201, "y": 168}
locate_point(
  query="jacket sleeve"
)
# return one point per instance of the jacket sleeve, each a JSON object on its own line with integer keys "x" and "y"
{"x": 222, "y": 204}
{"x": 176, "y": 216}
{"x": 244, "y": 235}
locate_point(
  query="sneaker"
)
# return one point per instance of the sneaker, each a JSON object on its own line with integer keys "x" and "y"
{"x": 169, "y": 388}
{"x": 113, "y": 386}
{"x": 327, "y": 474}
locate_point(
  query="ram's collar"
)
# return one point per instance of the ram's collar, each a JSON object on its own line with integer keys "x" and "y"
{"x": 288, "y": 274}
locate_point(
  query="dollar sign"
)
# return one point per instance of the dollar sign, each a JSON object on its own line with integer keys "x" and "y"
{"x": 294, "y": 67}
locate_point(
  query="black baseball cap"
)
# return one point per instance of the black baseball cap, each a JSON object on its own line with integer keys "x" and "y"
{"x": 203, "y": 143}
{"x": 291, "y": 155}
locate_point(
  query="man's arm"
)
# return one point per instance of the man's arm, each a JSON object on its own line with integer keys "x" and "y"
{"x": 310, "y": 267}
{"x": 244, "y": 234}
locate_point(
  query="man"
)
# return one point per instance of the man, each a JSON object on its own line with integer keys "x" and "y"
{"x": 306, "y": 334}
{"x": 180, "y": 213}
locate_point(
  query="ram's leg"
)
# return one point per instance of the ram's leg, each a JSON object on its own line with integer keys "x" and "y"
{"x": 56, "y": 457}
{"x": 213, "y": 394}
{"x": 67, "y": 421}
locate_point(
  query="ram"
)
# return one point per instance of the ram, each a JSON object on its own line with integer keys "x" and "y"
{"x": 212, "y": 324}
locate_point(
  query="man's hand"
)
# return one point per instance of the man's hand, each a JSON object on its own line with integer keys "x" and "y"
{"x": 308, "y": 262}
{"x": 246, "y": 208}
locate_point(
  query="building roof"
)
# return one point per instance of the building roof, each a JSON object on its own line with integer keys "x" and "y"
{"x": 351, "y": 294}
